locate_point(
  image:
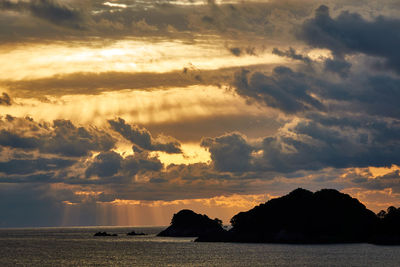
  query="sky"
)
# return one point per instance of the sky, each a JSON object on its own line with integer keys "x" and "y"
{"x": 123, "y": 112}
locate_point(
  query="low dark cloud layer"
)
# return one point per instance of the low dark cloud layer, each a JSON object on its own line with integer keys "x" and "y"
{"x": 366, "y": 180}
{"x": 142, "y": 139}
{"x": 95, "y": 83}
{"x": 61, "y": 137}
{"x": 324, "y": 142}
{"x": 29, "y": 166}
{"x": 108, "y": 164}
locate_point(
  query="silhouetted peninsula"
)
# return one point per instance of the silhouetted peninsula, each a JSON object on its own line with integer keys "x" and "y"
{"x": 326, "y": 216}
{"x": 301, "y": 217}
{"x": 187, "y": 223}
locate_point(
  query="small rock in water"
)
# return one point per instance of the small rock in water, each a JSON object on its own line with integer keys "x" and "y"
{"x": 104, "y": 234}
{"x": 134, "y": 233}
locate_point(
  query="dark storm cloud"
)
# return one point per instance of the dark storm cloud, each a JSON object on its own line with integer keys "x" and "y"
{"x": 350, "y": 33}
{"x": 41, "y": 153}
{"x": 325, "y": 142}
{"x": 105, "y": 164}
{"x": 49, "y": 10}
{"x": 229, "y": 152}
{"x": 5, "y": 99}
{"x": 140, "y": 161}
{"x": 62, "y": 137}
{"x": 313, "y": 146}
{"x": 285, "y": 89}
{"x": 142, "y": 138}
{"x": 339, "y": 66}
{"x": 76, "y": 141}
{"x": 110, "y": 163}
{"x": 375, "y": 94}
{"x": 336, "y": 65}
{"x": 303, "y": 91}
{"x": 25, "y": 166}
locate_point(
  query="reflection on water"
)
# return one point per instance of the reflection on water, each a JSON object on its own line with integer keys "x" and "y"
{"x": 78, "y": 247}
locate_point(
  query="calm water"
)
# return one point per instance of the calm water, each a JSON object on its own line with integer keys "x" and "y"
{"x": 78, "y": 247}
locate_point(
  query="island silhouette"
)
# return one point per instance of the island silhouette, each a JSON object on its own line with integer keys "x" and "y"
{"x": 104, "y": 234}
{"x": 187, "y": 223}
{"x": 134, "y": 233}
{"x": 300, "y": 217}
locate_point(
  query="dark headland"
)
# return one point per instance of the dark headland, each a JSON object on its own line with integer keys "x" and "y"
{"x": 187, "y": 223}
{"x": 301, "y": 217}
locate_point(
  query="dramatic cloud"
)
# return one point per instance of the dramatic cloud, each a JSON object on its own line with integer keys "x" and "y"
{"x": 337, "y": 142}
{"x": 62, "y": 137}
{"x": 105, "y": 164}
{"x": 108, "y": 164}
{"x": 100, "y": 93}
{"x": 229, "y": 152}
{"x": 286, "y": 90}
{"x": 339, "y": 66}
{"x": 351, "y": 33}
{"x": 297, "y": 91}
{"x": 142, "y": 139}
{"x": 316, "y": 144}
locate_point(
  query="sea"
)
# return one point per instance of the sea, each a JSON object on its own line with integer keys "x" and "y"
{"x": 77, "y": 246}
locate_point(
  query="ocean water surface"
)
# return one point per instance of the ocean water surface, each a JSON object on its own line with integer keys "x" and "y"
{"x": 77, "y": 246}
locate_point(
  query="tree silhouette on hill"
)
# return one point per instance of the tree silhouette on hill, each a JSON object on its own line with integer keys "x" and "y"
{"x": 303, "y": 216}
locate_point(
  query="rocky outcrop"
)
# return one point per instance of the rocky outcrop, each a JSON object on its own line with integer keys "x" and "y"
{"x": 134, "y": 233}
{"x": 104, "y": 234}
{"x": 187, "y": 223}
